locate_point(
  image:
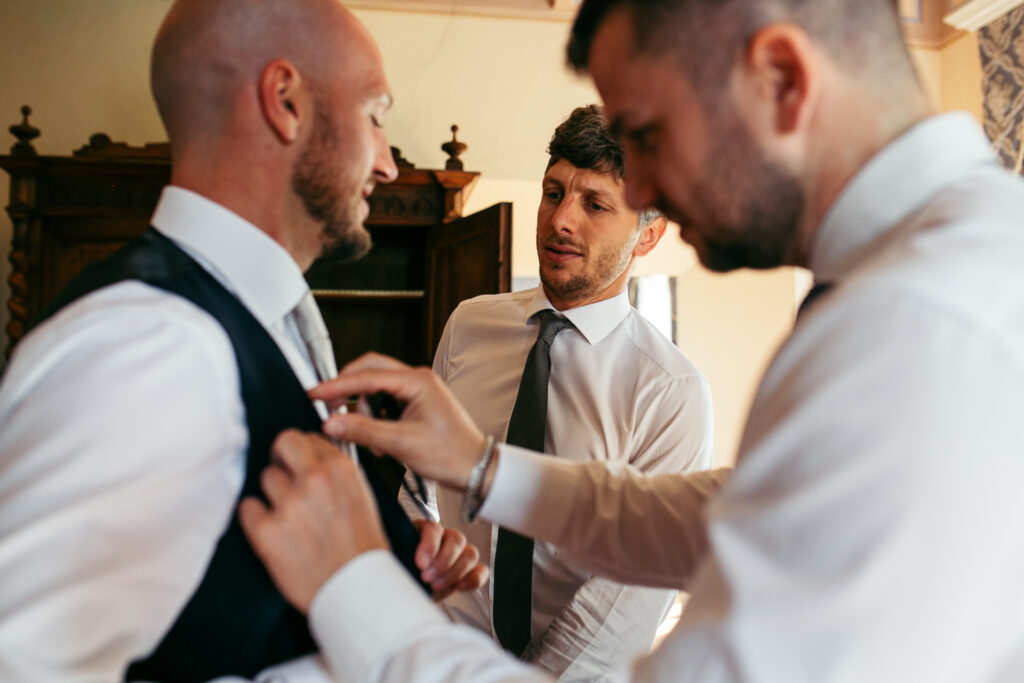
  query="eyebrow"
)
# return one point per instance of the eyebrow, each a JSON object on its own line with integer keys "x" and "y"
{"x": 586, "y": 190}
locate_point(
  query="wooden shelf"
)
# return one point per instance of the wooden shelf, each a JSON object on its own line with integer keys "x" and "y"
{"x": 403, "y": 295}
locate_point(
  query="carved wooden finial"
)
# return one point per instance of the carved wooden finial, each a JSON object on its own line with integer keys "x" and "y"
{"x": 24, "y": 132}
{"x": 400, "y": 161}
{"x": 453, "y": 148}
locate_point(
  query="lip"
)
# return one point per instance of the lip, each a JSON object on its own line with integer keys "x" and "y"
{"x": 561, "y": 254}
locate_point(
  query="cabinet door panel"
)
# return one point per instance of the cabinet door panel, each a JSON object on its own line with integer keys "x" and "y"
{"x": 389, "y": 326}
{"x": 466, "y": 257}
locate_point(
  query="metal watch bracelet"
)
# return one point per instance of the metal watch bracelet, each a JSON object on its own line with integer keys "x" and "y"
{"x": 473, "y": 499}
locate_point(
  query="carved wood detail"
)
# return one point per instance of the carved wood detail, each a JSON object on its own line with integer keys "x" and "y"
{"x": 84, "y": 193}
{"x": 17, "y": 280}
{"x": 69, "y": 211}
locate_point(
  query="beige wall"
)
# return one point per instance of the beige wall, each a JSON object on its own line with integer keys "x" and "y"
{"x": 82, "y": 65}
{"x": 952, "y": 74}
{"x": 960, "y": 65}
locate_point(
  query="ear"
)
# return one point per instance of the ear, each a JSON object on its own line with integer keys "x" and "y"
{"x": 650, "y": 235}
{"x": 283, "y": 99}
{"x": 781, "y": 78}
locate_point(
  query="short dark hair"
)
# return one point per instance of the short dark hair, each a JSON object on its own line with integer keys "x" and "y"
{"x": 584, "y": 141}
{"x": 708, "y": 34}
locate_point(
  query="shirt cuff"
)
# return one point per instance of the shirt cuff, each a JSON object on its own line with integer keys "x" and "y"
{"x": 366, "y": 612}
{"x": 521, "y": 497}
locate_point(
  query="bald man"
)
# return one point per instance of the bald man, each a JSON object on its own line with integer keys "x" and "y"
{"x": 135, "y": 416}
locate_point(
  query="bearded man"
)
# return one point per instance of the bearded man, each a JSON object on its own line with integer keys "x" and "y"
{"x": 135, "y": 416}
{"x": 867, "y": 533}
{"x": 619, "y": 392}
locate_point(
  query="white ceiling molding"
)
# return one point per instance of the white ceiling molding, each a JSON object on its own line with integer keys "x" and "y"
{"x": 977, "y": 14}
{"x": 557, "y": 10}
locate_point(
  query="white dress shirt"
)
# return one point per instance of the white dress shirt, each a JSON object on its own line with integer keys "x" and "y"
{"x": 122, "y": 452}
{"x": 619, "y": 391}
{"x": 871, "y": 529}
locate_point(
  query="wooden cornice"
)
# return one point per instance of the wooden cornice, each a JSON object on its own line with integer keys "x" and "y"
{"x": 923, "y": 25}
{"x": 976, "y": 14}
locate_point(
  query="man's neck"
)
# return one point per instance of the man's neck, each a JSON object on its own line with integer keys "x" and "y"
{"x": 854, "y": 129}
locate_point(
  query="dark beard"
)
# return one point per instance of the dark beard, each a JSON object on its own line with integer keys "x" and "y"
{"x": 759, "y": 230}
{"x": 314, "y": 182}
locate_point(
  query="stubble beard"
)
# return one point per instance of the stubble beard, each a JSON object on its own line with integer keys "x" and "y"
{"x": 583, "y": 286}
{"x": 315, "y": 181}
{"x": 756, "y": 206}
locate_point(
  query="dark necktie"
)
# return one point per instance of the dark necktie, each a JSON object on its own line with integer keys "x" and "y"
{"x": 513, "y": 556}
{"x": 816, "y": 292}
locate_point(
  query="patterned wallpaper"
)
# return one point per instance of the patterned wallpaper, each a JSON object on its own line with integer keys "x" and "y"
{"x": 1002, "y": 65}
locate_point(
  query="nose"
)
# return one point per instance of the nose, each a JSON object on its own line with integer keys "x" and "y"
{"x": 384, "y": 168}
{"x": 566, "y": 215}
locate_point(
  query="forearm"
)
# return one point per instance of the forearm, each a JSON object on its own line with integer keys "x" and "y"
{"x": 646, "y": 530}
{"x": 373, "y": 624}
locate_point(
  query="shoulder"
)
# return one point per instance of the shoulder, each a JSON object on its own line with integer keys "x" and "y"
{"x": 957, "y": 268}
{"x": 124, "y": 323}
{"x": 487, "y": 302}
{"x": 132, "y": 370}
{"x": 490, "y": 309}
{"x": 652, "y": 347}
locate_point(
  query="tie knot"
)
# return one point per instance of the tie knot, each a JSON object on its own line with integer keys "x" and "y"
{"x": 550, "y": 325}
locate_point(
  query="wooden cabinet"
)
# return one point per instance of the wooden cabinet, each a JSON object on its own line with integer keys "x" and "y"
{"x": 70, "y": 211}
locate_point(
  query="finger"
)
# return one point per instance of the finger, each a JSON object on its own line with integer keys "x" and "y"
{"x": 335, "y": 402}
{"x": 431, "y": 535}
{"x": 440, "y": 596}
{"x": 459, "y": 568}
{"x": 292, "y": 451}
{"x": 382, "y": 436}
{"x": 276, "y": 484}
{"x": 402, "y": 383}
{"x": 254, "y": 517}
{"x": 476, "y": 578}
{"x": 452, "y": 546}
{"x": 374, "y": 361}
{"x": 296, "y": 452}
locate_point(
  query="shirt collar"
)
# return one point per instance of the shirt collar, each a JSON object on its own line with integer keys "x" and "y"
{"x": 594, "y": 321}
{"x": 245, "y": 259}
{"x": 894, "y": 183}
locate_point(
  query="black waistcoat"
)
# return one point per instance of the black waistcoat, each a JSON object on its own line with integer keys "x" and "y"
{"x": 236, "y": 622}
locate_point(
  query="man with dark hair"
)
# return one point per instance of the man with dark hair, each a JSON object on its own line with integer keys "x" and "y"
{"x": 870, "y": 531}
{"x": 619, "y": 392}
{"x": 136, "y": 415}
